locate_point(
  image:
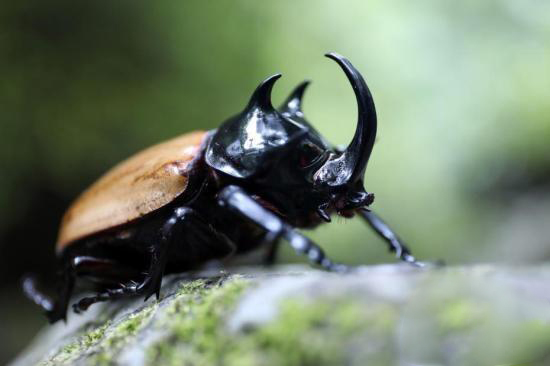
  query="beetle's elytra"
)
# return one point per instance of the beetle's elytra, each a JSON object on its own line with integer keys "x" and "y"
{"x": 208, "y": 195}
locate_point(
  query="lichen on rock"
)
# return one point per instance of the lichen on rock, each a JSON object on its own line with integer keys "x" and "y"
{"x": 383, "y": 315}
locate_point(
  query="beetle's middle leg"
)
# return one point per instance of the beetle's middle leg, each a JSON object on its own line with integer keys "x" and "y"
{"x": 181, "y": 218}
{"x": 270, "y": 255}
{"x": 153, "y": 278}
{"x": 237, "y": 200}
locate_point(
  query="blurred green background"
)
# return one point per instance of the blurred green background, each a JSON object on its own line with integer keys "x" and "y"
{"x": 461, "y": 168}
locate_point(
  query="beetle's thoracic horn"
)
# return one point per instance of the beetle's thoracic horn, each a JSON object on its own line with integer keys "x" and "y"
{"x": 293, "y": 104}
{"x": 358, "y": 151}
{"x": 261, "y": 98}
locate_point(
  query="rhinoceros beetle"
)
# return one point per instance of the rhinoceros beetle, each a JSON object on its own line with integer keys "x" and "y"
{"x": 208, "y": 195}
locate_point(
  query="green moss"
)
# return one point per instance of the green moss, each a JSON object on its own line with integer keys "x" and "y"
{"x": 91, "y": 336}
{"x": 452, "y": 321}
{"x": 67, "y": 353}
{"x": 327, "y": 332}
{"x": 459, "y": 314}
{"x": 193, "y": 287}
{"x": 119, "y": 335}
{"x": 195, "y": 322}
{"x": 99, "y": 345}
{"x": 94, "y": 336}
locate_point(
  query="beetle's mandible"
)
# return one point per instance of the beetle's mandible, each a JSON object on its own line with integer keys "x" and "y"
{"x": 208, "y": 195}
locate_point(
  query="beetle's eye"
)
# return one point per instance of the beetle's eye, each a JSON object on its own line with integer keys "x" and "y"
{"x": 309, "y": 154}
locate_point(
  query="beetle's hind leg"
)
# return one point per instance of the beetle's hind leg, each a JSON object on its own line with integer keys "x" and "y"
{"x": 55, "y": 309}
{"x": 102, "y": 270}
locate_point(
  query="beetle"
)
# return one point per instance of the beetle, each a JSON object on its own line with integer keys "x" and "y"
{"x": 208, "y": 195}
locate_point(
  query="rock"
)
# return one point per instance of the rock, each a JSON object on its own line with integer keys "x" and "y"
{"x": 381, "y": 315}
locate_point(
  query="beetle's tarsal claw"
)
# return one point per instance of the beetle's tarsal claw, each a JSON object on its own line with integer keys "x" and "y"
{"x": 323, "y": 214}
{"x": 429, "y": 264}
{"x": 408, "y": 258}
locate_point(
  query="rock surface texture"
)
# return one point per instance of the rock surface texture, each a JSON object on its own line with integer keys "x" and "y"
{"x": 381, "y": 315}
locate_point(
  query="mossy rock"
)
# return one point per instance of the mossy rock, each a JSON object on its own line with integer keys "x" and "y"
{"x": 383, "y": 315}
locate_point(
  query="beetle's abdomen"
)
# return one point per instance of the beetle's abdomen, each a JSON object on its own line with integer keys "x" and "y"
{"x": 135, "y": 187}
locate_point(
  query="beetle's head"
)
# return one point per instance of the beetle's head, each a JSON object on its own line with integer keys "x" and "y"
{"x": 279, "y": 151}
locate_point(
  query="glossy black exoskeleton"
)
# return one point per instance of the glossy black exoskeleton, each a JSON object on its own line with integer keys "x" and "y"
{"x": 261, "y": 175}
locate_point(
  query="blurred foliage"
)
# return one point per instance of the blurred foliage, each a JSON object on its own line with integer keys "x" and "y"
{"x": 461, "y": 166}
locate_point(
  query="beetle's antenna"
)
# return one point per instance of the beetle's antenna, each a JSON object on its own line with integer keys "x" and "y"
{"x": 261, "y": 98}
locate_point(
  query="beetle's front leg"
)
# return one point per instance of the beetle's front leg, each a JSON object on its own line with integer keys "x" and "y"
{"x": 395, "y": 244}
{"x": 238, "y": 201}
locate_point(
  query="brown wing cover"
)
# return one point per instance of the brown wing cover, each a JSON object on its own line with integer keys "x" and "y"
{"x": 137, "y": 186}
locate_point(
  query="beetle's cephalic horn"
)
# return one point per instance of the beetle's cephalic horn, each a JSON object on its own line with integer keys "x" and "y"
{"x": 261, "y": 98}
{"x": 358, "y": 151}
{"x": 293, "y": 104}
{"x": 348, "y": 168}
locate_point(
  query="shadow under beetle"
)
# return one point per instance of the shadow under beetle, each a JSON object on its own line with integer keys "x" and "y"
{"x": 208, "y": 195}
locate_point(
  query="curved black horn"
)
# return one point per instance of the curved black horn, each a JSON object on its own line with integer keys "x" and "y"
{"x": 261, "y": 98}
{"x": 358, "y": 151}
{"x": 293, "y": 104}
